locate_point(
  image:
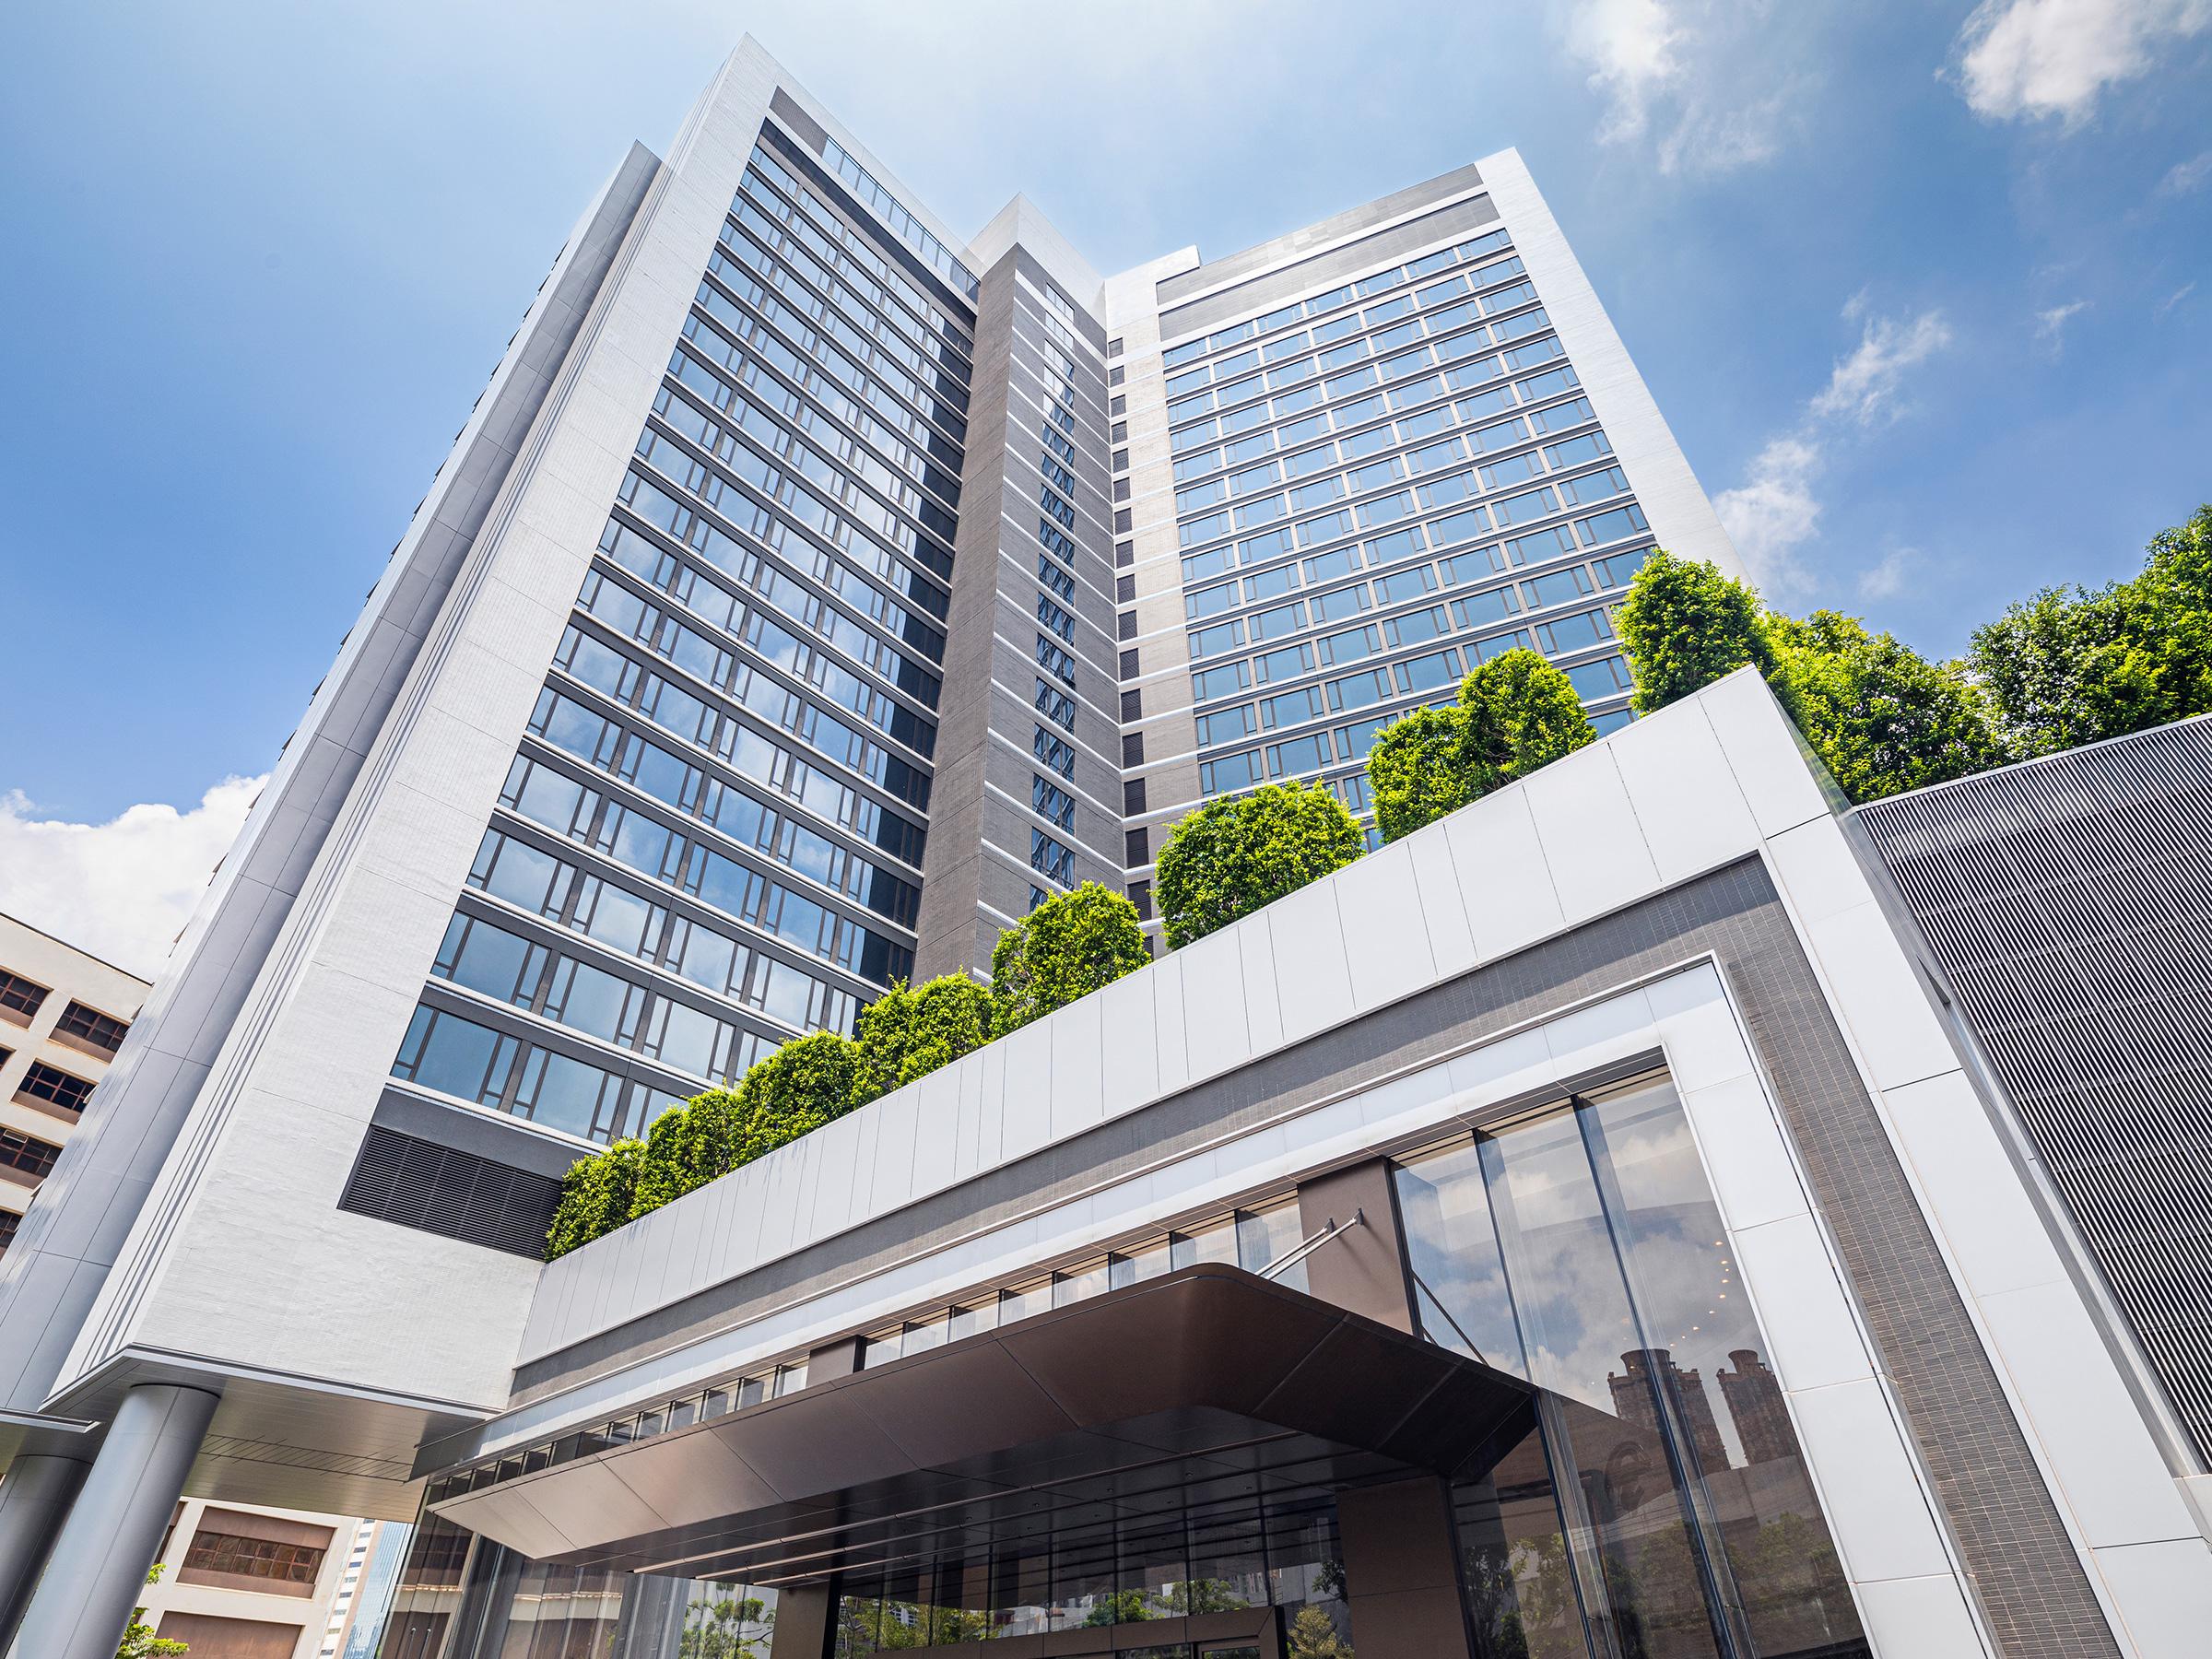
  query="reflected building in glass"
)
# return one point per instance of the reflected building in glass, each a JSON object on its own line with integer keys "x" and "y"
{"x": 1600, "y": 1225}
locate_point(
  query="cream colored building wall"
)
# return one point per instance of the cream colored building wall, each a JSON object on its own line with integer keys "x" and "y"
{"x": 69, "y": 974}
{"x": 309, "y": 1617}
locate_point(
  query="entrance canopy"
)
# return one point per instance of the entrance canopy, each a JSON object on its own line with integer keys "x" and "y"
{"x": 1201, "y": 1384}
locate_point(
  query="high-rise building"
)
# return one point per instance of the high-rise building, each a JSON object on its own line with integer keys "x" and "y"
{"x": 809, "y": 593}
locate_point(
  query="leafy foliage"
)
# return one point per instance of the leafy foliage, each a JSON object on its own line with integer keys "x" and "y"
{"x": 1232, "y": 857}
{"x": 727, "y": 1628}
{"x": 1882, "y": 717}
{"x": 596, "y": 1196}
{"x": 1312, "y": 1635}
{"x": 1685, "y": 625}
{"x": 2066, "y": 667}
{"x": 1066, "y": 947}
{"x": 139, "y": 1639}
{"x": 1515, "y": 712}
{"x": 908, "y": 1031}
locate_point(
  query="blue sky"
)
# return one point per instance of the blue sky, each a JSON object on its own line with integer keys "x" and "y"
{"x": 1921, "y": 287}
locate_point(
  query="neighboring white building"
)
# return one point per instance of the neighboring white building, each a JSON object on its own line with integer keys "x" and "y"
{"x": 243, "y": 1582}
{"x": 63, "y": 1014}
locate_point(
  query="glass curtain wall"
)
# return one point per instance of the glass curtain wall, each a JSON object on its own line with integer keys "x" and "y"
{"x": 1656, "y": 1498}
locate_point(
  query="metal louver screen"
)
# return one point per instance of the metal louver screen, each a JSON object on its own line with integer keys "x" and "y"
{"x": 420, "y": 1184}
{"x": 2069, "y": 900}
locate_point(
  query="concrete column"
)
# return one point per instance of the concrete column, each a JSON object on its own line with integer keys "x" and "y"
{"x": 1402, "y": 1570}
{"x": 34, "y": 1500}
{"x": 97, "y": 1572}
{"x": 1361, "y": 1268}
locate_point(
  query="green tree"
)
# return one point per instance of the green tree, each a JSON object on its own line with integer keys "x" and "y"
{"x": 1313, "y": 1635}
{"x": 727, "y": 1628}
{"x": 1066, "y": 947}
{"x": 1421, "y": 768}
{"x": 2068, "y": 666}
{"x": 687, "y": 1147}
{"x": 910, "y": 1031}
{"x": 795, "y": 1089}
{"x": 1232, "y": 857}
{"x": 1684, "y": 625}
{"x": 1881, "y": 716}
{"x": 1515, "y": 712}
{"x": 595, "y": 1197}
{"x": 139, "y": 1639}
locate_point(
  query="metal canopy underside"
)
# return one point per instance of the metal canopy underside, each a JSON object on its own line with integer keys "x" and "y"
{"x": 1207, "y": 1383}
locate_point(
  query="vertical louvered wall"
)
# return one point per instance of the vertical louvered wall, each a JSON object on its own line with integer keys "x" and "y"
{"x": 2070, "y": 902}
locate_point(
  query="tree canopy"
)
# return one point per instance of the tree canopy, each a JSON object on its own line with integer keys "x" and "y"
{"x": 1883, "y": 718}
{"x": 1232, "y": 857}
{"x": 1685, "y": 625}
{"x": 910, "y": 1031}
{"x": 2068, "y": 666}
{"x": 1066, "y": 947}
{"x": 1515, "y": 712}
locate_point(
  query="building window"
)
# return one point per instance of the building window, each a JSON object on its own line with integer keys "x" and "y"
{"x": 89, "y": 1027}
{"x": 1133, "y": 796}
{"x": 1051, "y": 859}
{"x": 56, "y": 1086}
{"x": 1116, "y": 375}
{"x": 1140, "y": 895}
{"x": 254, "y": 1558}
{"x": 1051, "y": 803}
{"x": 19, "y": 998}
{"x": 1133, "y": 749}
{"x": 1120, "y": 406}
{"x": 1125, "y": 588}
{"x": 1125, "y": 626}
{"x": 10, "y": 1221}
{"x": 1133, "y": 705}
{"x": 27, "y": 1153}
{"x": 1136, "y": 848}
{"x": 1121, "y": 517}
{"x": 1129, "y": 660}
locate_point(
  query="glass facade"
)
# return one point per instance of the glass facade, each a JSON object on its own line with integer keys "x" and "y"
{"x": 1377, "y": 489}
{"x": 1583, "y": 1252}
{"x": 711, "y": 838}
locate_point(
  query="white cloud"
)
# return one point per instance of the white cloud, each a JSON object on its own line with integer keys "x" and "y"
{"x": 2158, "y": 311}
{"x": 1864, "y": 386}
{"x": 124, "y": 888}
{"x": 1672, "y": 74}
{"x": 1882, "y": 581}
{"x": 1775, "y": 512}
{"x": 2186, "y": 178}
{"x": 2049, "y": 325}
{"x": 2032, "y": 59}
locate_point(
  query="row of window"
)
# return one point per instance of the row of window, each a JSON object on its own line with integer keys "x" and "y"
{"x": 1051, "y": 858}
{"x": 456, "y": 1056}
{"x": 1378, "y": 331}
{"x": 720, "y": 320}
{"x": 553, "y": 890}
{"x": 707, "y": 658}
{"x": 1367, "y": 288}
{"x": 1358, "y": 403}
{"x": 1438, "y": 489}
{"x": 905, "y": 318}
{"x": 1391, "y": 370}
{"x": 1251, "y": 1239}
{"x": 743, "y": 892}
{"x": 21, "y": 998}
{"x": 1476, "y": 611}
{"x": 1428, "y": 672}
{"x": 915, "y": 234}
{"x": 1604, "y": 678}
{"x": 569, "y": 990}
{"x": 718, "y": 732}
{"x": 776, "y": 431}
{"x": 1464, "y": 525}
{"x": 1360, "y": 441}
{"x": 789, "y": 598}
{"x": 701, "y": 1406}
{"x": 751, "y": 258}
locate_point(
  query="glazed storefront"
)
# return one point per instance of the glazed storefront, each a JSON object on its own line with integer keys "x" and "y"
{"x": 1562, "y": 1442}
